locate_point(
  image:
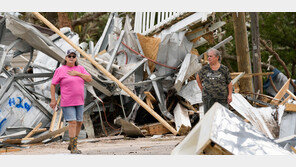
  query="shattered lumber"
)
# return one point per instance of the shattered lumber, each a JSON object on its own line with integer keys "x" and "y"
{"x": 33, "y": 131}
{"x": 107, "y": 73}
{"x": 154, "y": 129}
{"x": 281, "y": 92}
{"x": 48, "y": 135}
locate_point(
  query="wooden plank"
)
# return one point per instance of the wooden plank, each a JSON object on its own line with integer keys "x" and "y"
{"x": 60, "y": 119}
{"x": 40, "y": 130}
{"x": 286, "y": 99}
{"x": 290, "y": 107}
{"x": 155, "y": 129}
{"x": 9, "y": 149}
{"x": 106, "y": 73}
{"x": 48, "y": 135}
{"x": 291, "y": 94}
{"x": 54, "y": 116}
{"x": 33, "y": 131}
{"x": 13, "y": 141}
{"x": 252, "y": 74}
{"x": 215, "y": 150}
{"x": 281, "y": 93}
{"x": 17, "y": 141}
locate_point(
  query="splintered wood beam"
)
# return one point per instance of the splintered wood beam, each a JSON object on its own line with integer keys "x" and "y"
{"x": 48, "y": 135}
{"x": 33, "y": 131}
{"x": 249, "y": 75}
{"x": 107, "y": 73}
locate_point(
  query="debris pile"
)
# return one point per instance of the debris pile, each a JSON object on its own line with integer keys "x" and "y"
{"x": 159, "y": 70}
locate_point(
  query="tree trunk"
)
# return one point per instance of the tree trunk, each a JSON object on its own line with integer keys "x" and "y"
{"x": 64, "y": 20}
{"x": 242, "y": 50}
{"x": 258, "y": 83}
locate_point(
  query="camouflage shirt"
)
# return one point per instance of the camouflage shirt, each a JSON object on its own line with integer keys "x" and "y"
{"x": 214, "y": 83}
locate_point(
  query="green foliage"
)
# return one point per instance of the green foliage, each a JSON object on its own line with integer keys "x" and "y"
{"x": 279, "y": 29}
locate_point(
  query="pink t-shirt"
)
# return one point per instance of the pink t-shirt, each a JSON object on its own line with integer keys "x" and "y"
{"x": 72, "y": 87}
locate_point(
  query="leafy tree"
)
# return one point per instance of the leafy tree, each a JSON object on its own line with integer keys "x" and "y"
{"x": 279, "y": 28}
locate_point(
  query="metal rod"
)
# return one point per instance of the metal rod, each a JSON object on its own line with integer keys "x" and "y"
{"x": 115, "y": 51}
{"x": 133, "y": 70}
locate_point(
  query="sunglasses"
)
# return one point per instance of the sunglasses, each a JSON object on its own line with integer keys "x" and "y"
{"x": 72, "y": 56}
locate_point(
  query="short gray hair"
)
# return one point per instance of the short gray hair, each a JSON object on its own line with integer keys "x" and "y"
{"x": 216, "y": 52}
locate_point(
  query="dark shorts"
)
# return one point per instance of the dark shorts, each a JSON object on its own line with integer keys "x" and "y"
{"x": 208, "y": 103}
{"x": 73, "y": 113}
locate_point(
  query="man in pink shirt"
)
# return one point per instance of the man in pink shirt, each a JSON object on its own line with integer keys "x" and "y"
{"x": 71, "y": 77}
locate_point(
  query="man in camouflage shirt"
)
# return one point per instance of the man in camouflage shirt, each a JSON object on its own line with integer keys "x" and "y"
{"x": 214, "y": 81}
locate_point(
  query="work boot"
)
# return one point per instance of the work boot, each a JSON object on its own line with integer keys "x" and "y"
{"x": 73, "y": 145}
{"x": 69, "y": 146}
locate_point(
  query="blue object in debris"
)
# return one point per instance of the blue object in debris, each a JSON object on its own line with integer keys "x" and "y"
{"x": 267, "y": 82}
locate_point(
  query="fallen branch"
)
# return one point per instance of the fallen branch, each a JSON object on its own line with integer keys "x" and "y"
{"x": 272, "y": 84}
{"x": 264, "y": 65}
{"x": 271, "y": 51}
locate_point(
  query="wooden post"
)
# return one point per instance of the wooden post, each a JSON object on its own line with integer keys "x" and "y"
{"x": 107, "y": 73}
{"x": 258, "y": 83}
{"x": 242, "y": 50}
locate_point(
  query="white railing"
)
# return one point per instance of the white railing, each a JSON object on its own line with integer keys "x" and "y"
{"x": 146, "y": 22}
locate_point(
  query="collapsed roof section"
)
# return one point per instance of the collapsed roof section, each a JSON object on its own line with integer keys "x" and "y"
{"x": 224, "y": 130}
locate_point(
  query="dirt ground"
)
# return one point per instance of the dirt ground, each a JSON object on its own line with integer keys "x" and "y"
{"x": 113, "y": 145}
